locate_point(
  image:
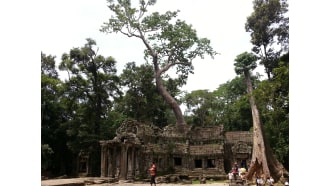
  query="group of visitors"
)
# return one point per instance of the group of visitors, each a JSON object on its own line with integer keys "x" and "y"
{"x": 269, "y": 181}
{"x": 237, "y": 172}
{"x": 260, "y": 181}
{"x": 234, "y": 174}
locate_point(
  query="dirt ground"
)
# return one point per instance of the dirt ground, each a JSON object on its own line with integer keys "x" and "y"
{"x": 96, "y": 182}
{"x": 58, "y": 182}
{"x": 160, "y": 184}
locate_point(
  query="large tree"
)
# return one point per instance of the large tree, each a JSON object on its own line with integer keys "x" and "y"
{"x": 54, "y": 153}
{"x": 272, "y": 98}
{"x": 90, "y": 91}
{"x": 267, "y": 24}
{"x": 169, "y": 43}
{"x": 264, "y": 161}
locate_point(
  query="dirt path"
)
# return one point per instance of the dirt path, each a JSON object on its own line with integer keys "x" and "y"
{"x": 79, "y": 181}
{"x": 160, "y": 184}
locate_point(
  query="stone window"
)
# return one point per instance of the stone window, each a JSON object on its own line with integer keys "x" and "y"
{"x": 160, "y": 162}
{"x": 210, "y": 163}
{"x": 82, "y": 166}
{"x": 177, "y": 161}
{"x": 198, "y": 163}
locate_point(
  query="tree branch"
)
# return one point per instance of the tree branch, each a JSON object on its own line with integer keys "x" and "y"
{"x": 169, "y": 65}
{"x": 152, "y": 52}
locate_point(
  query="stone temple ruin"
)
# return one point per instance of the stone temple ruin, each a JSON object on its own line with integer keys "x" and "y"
{"x": 184, "y": 150}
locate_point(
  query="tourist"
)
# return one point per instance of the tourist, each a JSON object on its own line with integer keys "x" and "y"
{"x": 259, "y": 181}
{"x": 270, "y": 181}
{"x": 235, "y": 170}
{"x": 153, "y": 170}
{"x": 243, "y": 175}
{"x": 230, "y": 176}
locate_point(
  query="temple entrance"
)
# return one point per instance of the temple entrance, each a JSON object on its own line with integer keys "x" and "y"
{"x": 243, "y": 163}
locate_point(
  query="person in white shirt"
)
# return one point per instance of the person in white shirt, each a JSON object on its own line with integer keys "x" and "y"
{"x": 230, "y": 176}
{"x": 270, "y": 181}
{"x": 259, "y": 181}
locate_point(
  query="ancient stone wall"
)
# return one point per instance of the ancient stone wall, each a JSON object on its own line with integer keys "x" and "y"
{"x": 188, "y": 150}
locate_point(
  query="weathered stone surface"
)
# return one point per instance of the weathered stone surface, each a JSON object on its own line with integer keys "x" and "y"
{"x": 186, "y": 182}
{"x": 210, "y": 151}
{"x": 174, "y": 178}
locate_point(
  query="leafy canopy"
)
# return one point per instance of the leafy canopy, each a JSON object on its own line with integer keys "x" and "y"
{"x": 245, "y": 62}
{"x": 170, "y": 42}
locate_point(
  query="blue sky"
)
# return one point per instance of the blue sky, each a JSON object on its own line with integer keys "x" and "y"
{"x": 66, "y": 24}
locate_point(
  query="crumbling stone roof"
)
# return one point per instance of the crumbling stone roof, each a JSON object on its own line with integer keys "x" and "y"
{"x": 233, "y": 137}
{"x": 207, "y": 149}
{"x": 172, "y": 131}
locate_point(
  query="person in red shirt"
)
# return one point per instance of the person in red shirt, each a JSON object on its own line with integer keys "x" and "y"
{"x": 153, "y": 171}
{"x": 235, "y": 170}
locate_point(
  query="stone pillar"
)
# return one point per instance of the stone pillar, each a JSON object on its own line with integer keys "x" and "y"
{"x": 123, "y": 163}
{"x": 221, "y": 165}
{"x": 136, "y": 162}
{"x": 130, "y": 163}
{"x": 117, "y": 154}
{"x": 204, "y": 163}
{"x": 103, "y": 160}
{"x": 110, "y": 165}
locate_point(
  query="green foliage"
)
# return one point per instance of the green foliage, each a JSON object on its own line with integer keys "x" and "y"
{"x": 46, "y": 160}
{"x": 201, "y": 104}
{"x": 48, "y": 66}
{"x": 268, "y": 23}
{"x": 53, "y": 136}
{"x": 89, "y": 93}
{"x": 233, "y": 105}
{"x": 142, "y": 101}
{"x": 245, "y": 62}
{"x": 228, "y": 105}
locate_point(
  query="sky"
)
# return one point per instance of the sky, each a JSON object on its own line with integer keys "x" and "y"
{"x": 67, "y": 24}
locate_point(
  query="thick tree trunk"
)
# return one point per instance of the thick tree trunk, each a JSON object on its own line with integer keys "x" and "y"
{"x": 264, "y": 163}
{"x": 170, "y": 100}
{"x": 166, "y": 95}
{"x": 161, "y": 88}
